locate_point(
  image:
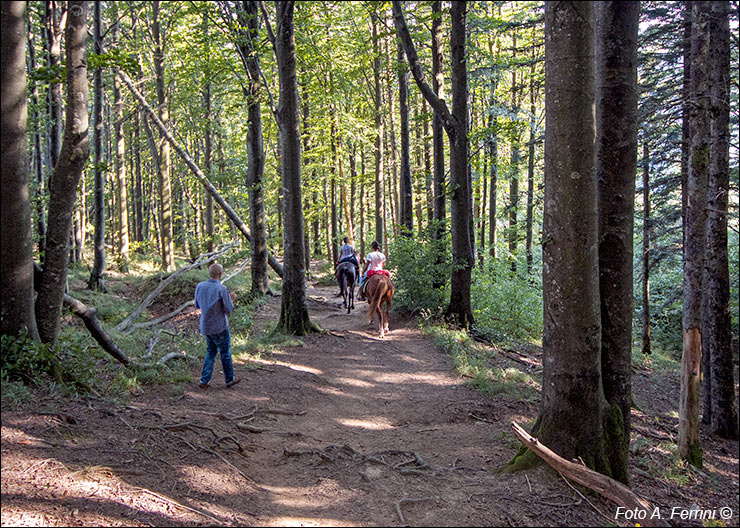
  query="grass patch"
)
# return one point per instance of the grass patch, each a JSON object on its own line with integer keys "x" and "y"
{"x": 475, "y": 362}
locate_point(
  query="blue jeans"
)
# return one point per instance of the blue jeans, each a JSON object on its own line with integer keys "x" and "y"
{"x": 221, "y": 343}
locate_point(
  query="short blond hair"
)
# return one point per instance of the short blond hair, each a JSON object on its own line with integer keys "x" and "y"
{"x": 215, "y": 270}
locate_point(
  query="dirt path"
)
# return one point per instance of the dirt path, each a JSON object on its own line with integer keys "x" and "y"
{"x": 354, "y": 431}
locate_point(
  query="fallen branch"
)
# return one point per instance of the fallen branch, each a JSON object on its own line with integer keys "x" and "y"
{"x": 274, "y": 264}
{"x": 163, "y": 318}
{"x": 606, "y": 486}
{"x": 167, "y": 499}
{"x": 168, "y": 357}
{"x": 89, "y": 317}
{"x": 202, "y": 260}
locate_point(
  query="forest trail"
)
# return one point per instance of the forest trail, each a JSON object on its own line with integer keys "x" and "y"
{"x": 353, "y": 431}
{"x": 346, "y": 430}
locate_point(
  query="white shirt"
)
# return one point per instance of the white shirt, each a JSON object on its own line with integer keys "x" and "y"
{"x": 376, "y": 259}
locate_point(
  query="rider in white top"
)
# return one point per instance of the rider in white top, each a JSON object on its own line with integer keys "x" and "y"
{"x": 374, "y": 262}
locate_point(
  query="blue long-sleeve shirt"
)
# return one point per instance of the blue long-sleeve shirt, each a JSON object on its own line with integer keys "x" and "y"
{"x": 214, "y": 302}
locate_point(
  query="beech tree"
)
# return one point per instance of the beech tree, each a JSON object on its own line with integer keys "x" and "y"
{"x": 16, "y": 243}
{"x": 74, "y": 153}
{"x": 293, "y": 312}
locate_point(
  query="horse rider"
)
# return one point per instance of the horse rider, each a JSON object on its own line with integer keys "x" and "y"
{"x": 374, "y": 262}
{"x": 347, "y": 253}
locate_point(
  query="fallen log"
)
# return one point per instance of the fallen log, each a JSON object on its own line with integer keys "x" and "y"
{"x": 209, "y": 257}
{"x": 274, "y": 264}
{"x": 608, "y": 487}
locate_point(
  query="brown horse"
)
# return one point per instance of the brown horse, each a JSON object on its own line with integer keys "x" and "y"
{"x": 379, "y": 290}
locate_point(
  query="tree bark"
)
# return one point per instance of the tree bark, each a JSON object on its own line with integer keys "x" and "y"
{"x": 379, "y": 234}
{"x": 440, "y": 207}
{"x": 513, "y": 231}
{"x": 689, "y": 441}
{"x": 530, "y": 164}
{"x": 646, "y": 224}
{"x": 459, "y": 310}
{"x": 716, "y": 325}
{"x": 37, "y": 149}
{"x": 74, "y": 153}
{"x": 406, "y": 205}
{"x": 294, "y": 311}
{"x": 54, "y": 54}
{"x": 165, "y": 184}
{"x": 572, "y": 409}
{"x": 120, "y": 168}
{"x": 97, "y": 280}
{"x": 16, "y": 242}
{"x": 255, "y": 150}
{"x": 208, "y": 154}
{"x": 616, "y": 168}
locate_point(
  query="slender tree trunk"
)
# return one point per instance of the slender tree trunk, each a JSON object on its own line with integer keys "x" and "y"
{"x": 440, "y": 208}
{"x": 165, "y": 185}
{"x": 513, "y": 231}
{"x": 616, "y": 167}
{"x": 38, "y": 165}
{"x": 333, "y": 189}
{"x": 646, "y": 223}
{"x": 717, "y": 333}
{"x": 689, "y": 441}
{"x": 379, "y": 234}
{"x": 208, "y": 161}
{"x": 255, "y": 152}
{"x": 120, "y": 167}
{"x": 406, "y": 217}
{"x": 293, "y": 312}
{"x": 16, "y": 240}
{"x": 493, "y": 155}
{"x": 362, "y": 202}
{"x": 428, "y": 176}
{"x": 530, "y": 166}
{"x": 54, "y": 53}
{"x": 75, "y": 149}
{"x": 97, "y": 280}
{"x": 392, "y": 150}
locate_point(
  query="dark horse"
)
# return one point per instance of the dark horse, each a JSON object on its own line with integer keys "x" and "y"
{"x": 379, "y": 291}
{"x": 346, "y": 276}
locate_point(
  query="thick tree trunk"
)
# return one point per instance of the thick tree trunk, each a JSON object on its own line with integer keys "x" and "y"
{"x": 96, "y": 280}
{"x": 572, "y": 409}
{"x": 689, "y": 441}
{"x": 646, "y": 223}
{"x": 405, "y": 216}
{"x": 379, "y": 234}
{"x": 293, "y": 312}
{"x": 616, "y": 168}
{"x": 716, "y": 325}
{"x": 165, "y": 185}
{"x": 54, "y": 54}
{"x": 75, "y": 150}
{"x": 16, "y": 242}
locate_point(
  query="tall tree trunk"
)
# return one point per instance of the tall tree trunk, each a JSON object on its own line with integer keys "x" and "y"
{"x": 440, "y": 207}
{"x": 513, "y": 231}
{"x": 646, "y": 223}
{"x": 138, "y": 185}
{"x": 165, "y": 185}
{"x": 120, "y": 167}
{"x": 530, "y": 163}
{"x": 492, "y": 220}
{"x": 75, "y": 149}
{"x": 208, "y": 161}
{"x": 379, "y": 235}
{"x": 428, "y": 176}
{"x": 293, "y": 311}
{"x": 616, "y": 168}
{"x": 54, "y": 53}
{"x": 455, "y": 123}
{"x": 38, "y": 165}
{"x": 96, "y": 280}
{"x": 572, "y": 409}
{"x": 392, "y": 150}
{"x": 406, "y": 206}
{"x": 716, "y": 331}
{"x": 689, "y": 441}
{"x": 255, "y": 151}
{"x": 16, "y": 240}
{"x": 362, "y": 202}
{"x": 333, "y": 188}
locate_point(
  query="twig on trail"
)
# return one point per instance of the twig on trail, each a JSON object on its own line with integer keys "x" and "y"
{"x": 528, "y": 484}
{"x": 478, "y": 418}
{"x": 232, "y": 439}
{"x": 251, "y": 428}
{"x": 150, "y": 346}
{"x": 410, "y": 501}
{"x": 584, "y": 498}
{"x": 428, "y": 429}
{"x": 171, "y": 501}
{"x": 124, "y": 421}
{"x": 335, "y": 334}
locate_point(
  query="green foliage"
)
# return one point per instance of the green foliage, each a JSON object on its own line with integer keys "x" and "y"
{"x": 29, "y": 361}
{"x": 475, "y": 363}
{"x": 506, "y": 304}
{"x": 416, "y": 264}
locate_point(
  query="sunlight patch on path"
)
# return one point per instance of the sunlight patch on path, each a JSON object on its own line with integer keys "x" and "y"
{"x": 374, "y": 423}
{"x": 292, "y": 366}
{"x": 308, "y": 521}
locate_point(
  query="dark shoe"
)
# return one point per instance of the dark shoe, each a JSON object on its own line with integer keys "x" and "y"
{"x": 236, "y": 380}
{"x": 203, "y": 386}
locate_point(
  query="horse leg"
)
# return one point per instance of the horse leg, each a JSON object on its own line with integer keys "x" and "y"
{"x": 387, "y": 313}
